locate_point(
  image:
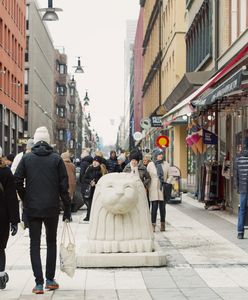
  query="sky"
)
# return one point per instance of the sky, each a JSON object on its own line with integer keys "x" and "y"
{"x": 96, "y": 30}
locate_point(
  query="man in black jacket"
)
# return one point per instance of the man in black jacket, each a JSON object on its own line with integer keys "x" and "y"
{"x": 46, "y": 182}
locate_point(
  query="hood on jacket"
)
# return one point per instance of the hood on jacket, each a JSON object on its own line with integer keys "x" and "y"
{"x": 42, "y": 149}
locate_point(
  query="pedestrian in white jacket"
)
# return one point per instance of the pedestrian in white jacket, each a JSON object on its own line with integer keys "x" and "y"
{"x": 18, "y": 157}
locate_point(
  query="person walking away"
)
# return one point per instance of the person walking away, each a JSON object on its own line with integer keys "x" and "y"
{"x": 17, "y": 159}
{"x": 91, "y": 177}
{"x": 241, "y": 169}
{"x": 112, "y": 163}
{"x": 158, "y": 170}
{"x": 46, "y": 182}
{"x": 9, "y": 215}
{"x": 86, "y": 161}
{"x": 71, "y": 173}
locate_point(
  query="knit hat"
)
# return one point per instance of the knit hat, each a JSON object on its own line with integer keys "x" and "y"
{"x": 65, "y": 155}
{"x": 30, "y": 144}
{"x": 41, "y": 134}
{"x": 156, "y": 152}
{"x": 1, "y": 151}
{"x": 134, "y": 154}
{"x": 98, "y": 158}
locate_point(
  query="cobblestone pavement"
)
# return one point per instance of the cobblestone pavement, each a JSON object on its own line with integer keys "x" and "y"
{"x": 205, "y": 261}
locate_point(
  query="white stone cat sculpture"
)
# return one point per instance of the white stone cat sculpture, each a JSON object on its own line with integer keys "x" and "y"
{"x": 120, "y": 218}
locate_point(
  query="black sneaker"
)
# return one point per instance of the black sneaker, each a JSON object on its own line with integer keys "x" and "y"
{"x": 240, "y": 235}
{"x": 3, "y": 280}
{"x": 86, "y": 219}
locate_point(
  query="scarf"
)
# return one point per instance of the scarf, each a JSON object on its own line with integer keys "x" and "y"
{"x": 160, "y": 172}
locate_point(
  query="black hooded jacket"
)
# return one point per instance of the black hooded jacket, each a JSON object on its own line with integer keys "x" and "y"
{"x": 46, "y": 181}
{"x": 84, "y": 164}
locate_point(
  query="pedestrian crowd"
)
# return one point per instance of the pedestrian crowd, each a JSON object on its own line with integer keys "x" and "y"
{"x": 40, "y": 183}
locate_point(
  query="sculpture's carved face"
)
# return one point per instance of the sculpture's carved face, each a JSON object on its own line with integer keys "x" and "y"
{"x": 119, "y": 196}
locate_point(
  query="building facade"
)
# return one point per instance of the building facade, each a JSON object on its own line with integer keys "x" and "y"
{"x": 128, "y": 94}
{"x": 39, "y": 73}
{"x": 12, "y": 45}
{"x": 138, "y": 72}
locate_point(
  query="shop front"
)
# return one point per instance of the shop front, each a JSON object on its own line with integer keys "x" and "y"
{"x": 224, "y": 113}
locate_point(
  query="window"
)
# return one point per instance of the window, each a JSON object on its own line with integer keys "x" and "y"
{"x": 27, "y": 17}
{"x": 199, "y": 38}
{"x": 71, "y": 108}
{"x": 61, "y": 112}
{"x": 62, "y": 90}
{"x": 72, "y": 91}
{"x": 61, "y": 135}
{"x": 26, "y": 80}
{"x": 1, "y": 32}
{"x": 62, "y": 69}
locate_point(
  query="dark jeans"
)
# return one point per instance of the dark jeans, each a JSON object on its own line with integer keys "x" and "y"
{"x": 88, "y": 204}
{"x": 155, "y": 205}
{"x": 2, "y": 260}
{"x": 242, "y": 211}
{"x": 35, "y": 227}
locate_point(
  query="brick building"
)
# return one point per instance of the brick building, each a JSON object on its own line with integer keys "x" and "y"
{"x": 12, "y": 44}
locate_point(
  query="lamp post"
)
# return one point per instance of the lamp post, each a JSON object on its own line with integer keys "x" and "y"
{"x": 50, "y": 12}
{"x": 86, "y": 117}
{"x": 79, "y": 68}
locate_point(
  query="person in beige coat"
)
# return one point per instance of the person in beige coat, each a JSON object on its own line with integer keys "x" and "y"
{"x": 71, "y": 172}
{"x": 158, "y": 170}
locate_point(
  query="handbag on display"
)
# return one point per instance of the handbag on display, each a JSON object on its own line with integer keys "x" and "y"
{"x": 67, "y": 252}
{"x": 87, "y": 191}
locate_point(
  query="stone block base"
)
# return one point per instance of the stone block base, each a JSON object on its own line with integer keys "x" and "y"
{"x": 112, "y": 260}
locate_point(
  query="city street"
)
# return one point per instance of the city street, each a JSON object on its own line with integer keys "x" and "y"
{"x": 205, "y": 261}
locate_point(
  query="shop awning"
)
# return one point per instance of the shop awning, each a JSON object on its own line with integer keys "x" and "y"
{"x": 230, "y": 85}
{"x": 185, "y": 106}
{"x": 190, "y": 82}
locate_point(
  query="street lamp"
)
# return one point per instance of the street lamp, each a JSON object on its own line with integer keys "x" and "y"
{"x": 86, "y": 99}
{"x": 79, "y": 68}
{"x": 50, "y": 12}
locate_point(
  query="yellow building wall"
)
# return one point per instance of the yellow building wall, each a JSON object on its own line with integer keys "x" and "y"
{"x": 151, "y": 96}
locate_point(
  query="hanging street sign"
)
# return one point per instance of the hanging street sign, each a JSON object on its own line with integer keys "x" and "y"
{"x": 162, "y": 141}
{"x": 156, "y": 121}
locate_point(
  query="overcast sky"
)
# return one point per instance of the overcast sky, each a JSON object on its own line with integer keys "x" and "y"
{"x": 96, "y": 30}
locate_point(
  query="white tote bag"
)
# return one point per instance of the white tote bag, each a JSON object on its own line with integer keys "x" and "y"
{"x": 67, "y": 251}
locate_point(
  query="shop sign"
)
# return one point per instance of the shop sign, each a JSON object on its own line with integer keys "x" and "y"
{"x": 162, "y": 141}
{"x": 156, "y": 121}
{"x": 22, "y": 141}
{"x": 226, "y": 87}
{"x": 209, "y": 137}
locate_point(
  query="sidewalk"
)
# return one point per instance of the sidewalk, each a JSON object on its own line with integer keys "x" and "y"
{"x": 205, "y": 261}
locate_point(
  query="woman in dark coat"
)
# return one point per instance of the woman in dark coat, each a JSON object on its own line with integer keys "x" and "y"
{"x": 91, "y": 177}
{"x": 9, "y": 214}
